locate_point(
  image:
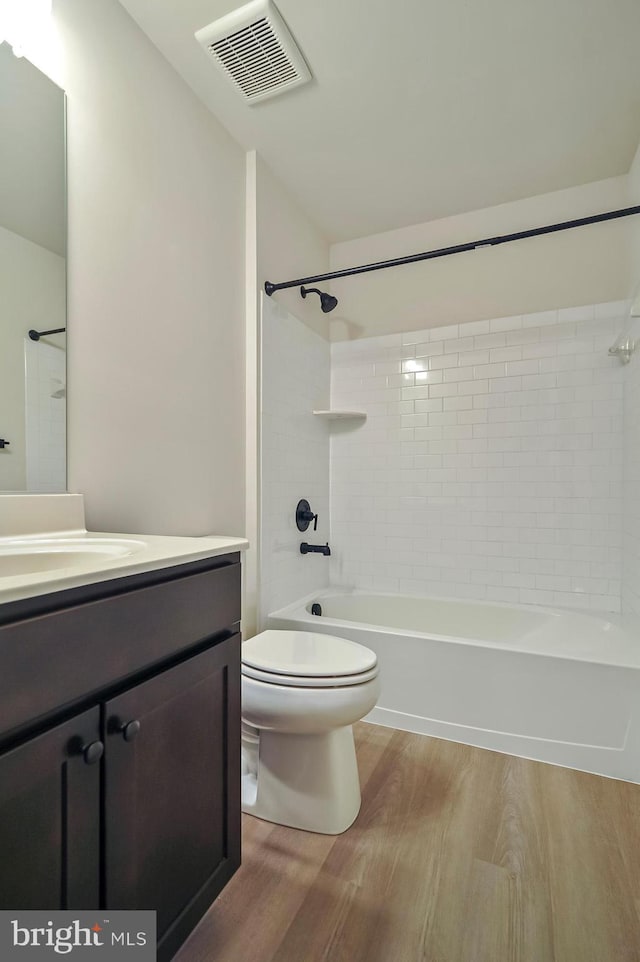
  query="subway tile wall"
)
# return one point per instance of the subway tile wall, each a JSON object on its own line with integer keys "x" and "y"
{"x": 294, "y": 457}
{"x": 631, "y": 504}
{"x": 490, "y": 465}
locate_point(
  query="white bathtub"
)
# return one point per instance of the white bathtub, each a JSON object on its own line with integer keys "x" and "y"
{"x": 552, "y": 685}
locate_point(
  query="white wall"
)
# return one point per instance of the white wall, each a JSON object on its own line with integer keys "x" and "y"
{"x": 631, "y": 513}
{"x": 289, "y": 246}
{"x": 295, "y": 456}
{"x": 156, "y": 261}
{"x": 633, "y": 200}
{"x": 281, "y": 243}
{"x": 631, "y": 488}
{"x": 490, "y": 464}
{"x": 32, "y": 282}
{"x": 582, "y": 266}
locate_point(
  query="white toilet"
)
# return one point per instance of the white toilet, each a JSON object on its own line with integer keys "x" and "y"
{"x": 301, "y": 693}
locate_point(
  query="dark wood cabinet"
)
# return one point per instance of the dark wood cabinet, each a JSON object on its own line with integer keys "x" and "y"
{"x": 120, "y": 748}
{"x": 49, "y": 824}
{"x": 171, "y": 791}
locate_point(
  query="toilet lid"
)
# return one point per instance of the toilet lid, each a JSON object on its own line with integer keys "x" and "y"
{"x": 306, "y": 654}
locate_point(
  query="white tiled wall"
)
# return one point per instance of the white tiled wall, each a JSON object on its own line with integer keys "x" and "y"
{"x": 490, "y": 464}
{"x": 294, "y": 457}
{"x": 46, "y": 416}
{"x": 631, "y": 513}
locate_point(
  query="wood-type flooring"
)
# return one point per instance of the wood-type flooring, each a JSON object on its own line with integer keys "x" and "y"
{"x": 458, "y": 855}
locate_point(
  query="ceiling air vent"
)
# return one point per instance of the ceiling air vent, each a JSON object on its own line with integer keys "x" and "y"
{"x": 254, "y": 48}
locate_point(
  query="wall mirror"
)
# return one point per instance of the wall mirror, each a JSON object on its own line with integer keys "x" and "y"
{"x": 32, "y": 278}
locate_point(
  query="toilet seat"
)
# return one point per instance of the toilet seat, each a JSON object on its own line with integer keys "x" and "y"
{"x": 306, "y": 659}
{"x": 304, "y": 681}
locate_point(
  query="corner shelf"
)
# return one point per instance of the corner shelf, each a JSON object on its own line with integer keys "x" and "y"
{"x": 340, "y": 415}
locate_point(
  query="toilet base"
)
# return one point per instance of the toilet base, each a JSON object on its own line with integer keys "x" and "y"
{"x": 303, "y": 781}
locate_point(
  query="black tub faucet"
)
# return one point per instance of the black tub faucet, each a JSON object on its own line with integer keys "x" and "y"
{"x": 306, "y": 548}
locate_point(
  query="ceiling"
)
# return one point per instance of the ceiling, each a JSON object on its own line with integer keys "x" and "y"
{"x": 421, "y": 109}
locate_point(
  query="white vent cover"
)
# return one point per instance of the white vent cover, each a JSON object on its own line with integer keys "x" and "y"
{"x": 254, "y": 48}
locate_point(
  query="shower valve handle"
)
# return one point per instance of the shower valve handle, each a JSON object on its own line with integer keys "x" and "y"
{"x": 304, "y": 516}
{"x": 309, "y": 516}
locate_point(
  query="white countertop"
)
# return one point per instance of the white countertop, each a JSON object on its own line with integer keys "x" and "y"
{"x": 147, "y": 553}
{"x": 35, "y": 530}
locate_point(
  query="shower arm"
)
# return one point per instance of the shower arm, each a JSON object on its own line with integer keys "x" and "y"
{"x": 36, "y": 335}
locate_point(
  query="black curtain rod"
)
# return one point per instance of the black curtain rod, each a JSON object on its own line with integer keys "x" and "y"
{"x": 456, "y": 249}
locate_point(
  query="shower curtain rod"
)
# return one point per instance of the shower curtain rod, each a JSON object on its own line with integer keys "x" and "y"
{"x": 270, "y": 288}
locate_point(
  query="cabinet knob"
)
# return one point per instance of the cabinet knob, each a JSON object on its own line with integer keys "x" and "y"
{"x": 92, "y": 752}
{"x": 130, "y": 730}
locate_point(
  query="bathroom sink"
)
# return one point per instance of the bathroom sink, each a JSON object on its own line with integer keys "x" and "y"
{"x": 32, "y": 556}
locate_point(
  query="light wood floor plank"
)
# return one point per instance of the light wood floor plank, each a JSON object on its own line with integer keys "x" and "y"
{"x": 458, "y": 855}
{"x": 587, "y": 870}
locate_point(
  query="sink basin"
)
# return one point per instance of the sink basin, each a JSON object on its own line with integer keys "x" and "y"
{"x": 49, "y": 554}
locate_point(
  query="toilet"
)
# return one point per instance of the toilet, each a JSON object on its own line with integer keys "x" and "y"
{"x": 301, "y": 693}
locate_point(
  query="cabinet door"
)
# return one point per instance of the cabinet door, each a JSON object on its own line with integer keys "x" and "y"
{"x": 50, "y": 818}
{"x": 172, "y": 780}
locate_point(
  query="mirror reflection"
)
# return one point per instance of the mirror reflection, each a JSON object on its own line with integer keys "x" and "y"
{"x": 32, "y": 279}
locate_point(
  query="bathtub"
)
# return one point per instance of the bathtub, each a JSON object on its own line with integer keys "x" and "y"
{"x": 551, "y": 685}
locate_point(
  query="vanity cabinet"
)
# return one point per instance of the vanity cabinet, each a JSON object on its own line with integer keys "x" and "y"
{"x": 120, "y": 747}
{"x": 172, "y": 838}
{"x": 49, "y": 819}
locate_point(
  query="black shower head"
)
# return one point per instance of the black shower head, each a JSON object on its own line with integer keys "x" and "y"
{"x": 327, "y": 301}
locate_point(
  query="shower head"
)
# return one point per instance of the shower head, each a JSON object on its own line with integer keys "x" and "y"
{"x": 327, "y": 301}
